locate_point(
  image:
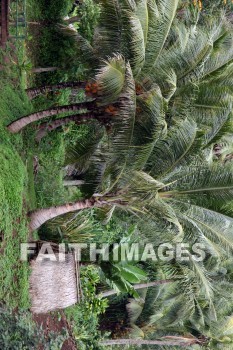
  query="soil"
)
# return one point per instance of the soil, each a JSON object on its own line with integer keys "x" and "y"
{"x": 55, "y": 323}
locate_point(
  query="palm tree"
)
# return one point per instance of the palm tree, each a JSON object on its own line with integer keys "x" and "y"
{"x": 143, "y": 165}
{"x": 174, "y": 187}
{"x": 176, "y": 341}
{"x": 109, "y": 83}
{"x": 180, "y": 197}
{"x": 17, "y": 125}
{"x": 154, "y": 166}
{"x": 135, "y": 287}
{"x": 192, "y": 69}
{"x": 85, "y": 118}
{"x": 34, "y": 92}
{"x": 167, "y": 309}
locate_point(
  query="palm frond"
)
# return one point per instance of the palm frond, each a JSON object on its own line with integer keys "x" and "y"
{"x": 212, "y": 187}
{"x": 212, "y": 110}
{"x": 108, "y": 38}
{"x": 110, "y": 79}
{"x": 161, "y": 15}
{"x": 136, "y": 50}
{"x": 80, "y": 154}
{"x": 212, "y": 229}
{"x": 173, "y": 150}
{"x": 121, "y": 138}
{"x": 85, "y": 49}
{"x": 150, "y": 126}
{"x": 217, "y": 62}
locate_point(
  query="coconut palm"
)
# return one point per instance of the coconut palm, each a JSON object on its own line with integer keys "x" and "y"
{"x": 103, "y": 92}
{"x": 174, "y": 341}
{"x": 164, "y": 180}
{"x": 34, "y": 92}
{"x": 154, "y": 167}
{"x": 142, "y": 166}
{"x": 178, "y": 197}
{"x": 180, "y": 58}
{"x": 161, "y": 179}
{"x": 167, "y": 309}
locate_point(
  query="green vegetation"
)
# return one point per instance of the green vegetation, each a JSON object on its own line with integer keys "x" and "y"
{"x": 148, "y": 139}
{"x": 48, "y": 11}
{"x": 49, "y": 43}
{"x": 84, "y": 316}
{"x": 13, "y": 189}
{"x": 88, "y": 15}
{"x": 19, "y": 332}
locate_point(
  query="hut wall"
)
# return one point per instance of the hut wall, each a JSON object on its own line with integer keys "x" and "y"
{"x": 53, "y": 284}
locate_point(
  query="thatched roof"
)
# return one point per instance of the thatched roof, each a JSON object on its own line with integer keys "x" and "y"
{"x": 53, "y": 284}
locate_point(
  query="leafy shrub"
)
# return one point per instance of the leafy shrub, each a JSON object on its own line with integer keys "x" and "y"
{"x": 50, "y": 10}
{"x": 89, "y": 13}
{"x": 56, "y": 49}
{"x": 18, "y": 331}
{"x": 84, "y": 316}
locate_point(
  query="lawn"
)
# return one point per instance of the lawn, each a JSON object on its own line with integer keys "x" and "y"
{"x": 13, "y": 184}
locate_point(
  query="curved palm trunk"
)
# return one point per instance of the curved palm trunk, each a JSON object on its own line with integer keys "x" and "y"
{"x": 136, "y": 287}
{"x": 73, "y": 182}
{"x": 34, "y": 92}
{"x": 72, "y": 19}
{"x": 183, "y": 342}
{"x": 19, "y": 124}
{"x": 40, "y": 216}
{"x": 42, "y": 70}
{"x": 77, "y": 118}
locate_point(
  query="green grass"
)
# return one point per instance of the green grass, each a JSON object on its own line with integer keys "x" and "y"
{"x": 13, "y": 188}
{"x": 20, "y": 189}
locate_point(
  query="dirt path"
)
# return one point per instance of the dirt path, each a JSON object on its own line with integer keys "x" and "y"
{"x": 55, "y": 323}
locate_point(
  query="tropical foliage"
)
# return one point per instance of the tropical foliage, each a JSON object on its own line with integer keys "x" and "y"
{"x": 18, "y": 331}
{"x": 155, "y": 163}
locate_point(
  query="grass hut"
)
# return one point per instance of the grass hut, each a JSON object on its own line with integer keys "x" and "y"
{"x": 53, "y": 284}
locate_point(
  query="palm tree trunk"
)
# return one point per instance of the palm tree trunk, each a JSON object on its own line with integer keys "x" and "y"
{"x": 40, "y": 216}
{"x": 34, "y": 92}
{"x": 19, "y": 124}
{"x": 73, "y": 182}
{"x": 182, "y": 342}
{"x": 136, "y": 287}
{"x": 42, "y": 70}
{"x": 72, "y": 19}
{"x": 77, "y": 118}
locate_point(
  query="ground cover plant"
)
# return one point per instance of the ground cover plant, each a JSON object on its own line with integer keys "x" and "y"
{"x": 14, "y": 180}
